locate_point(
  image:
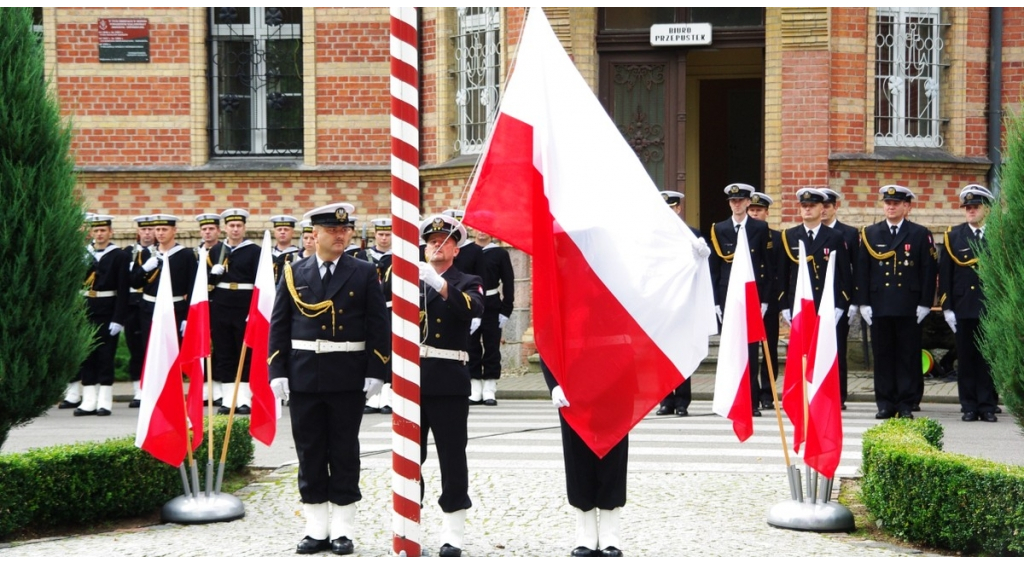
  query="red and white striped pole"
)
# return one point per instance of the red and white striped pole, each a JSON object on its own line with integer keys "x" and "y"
{"x": 405, "y": 317}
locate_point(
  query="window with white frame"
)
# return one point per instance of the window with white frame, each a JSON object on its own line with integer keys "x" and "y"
{"x": 477, "y": 64}
{"x": 908, "y": 63}
{"x": 255, "y": 81}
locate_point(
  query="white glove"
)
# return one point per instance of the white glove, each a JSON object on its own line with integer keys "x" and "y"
{"x": 700, "y": 248}
{"x": 151, "y": 264}
{"x": 217, "y": 270}
{"x": 718, "y": 312}
{"x": 922, "y": 312}
{"x": 839, "y": 315}
{"x": 787, "y": 316}
{"x": 852, "y": 313}
{"x": 865, "y": 314}
{"x": 430, "y": 277}
{"x": 115, "y": 328}
{"x": 474, "y": 324}
{"x": 764, "y": 308}
{"x": 280, "y": 388}
{"x": 183, "y": 327}
{"x": 558, "y": 397}
{"x": 372, "y": 387}
{"x": 502, "y": 320}
{"x": 950, "y": 319}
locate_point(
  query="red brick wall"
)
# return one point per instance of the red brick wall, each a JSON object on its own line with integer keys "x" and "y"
{"x": 848, "y": 79}
{"x": 805, "y": 125}
{"x": 430, "y": 152}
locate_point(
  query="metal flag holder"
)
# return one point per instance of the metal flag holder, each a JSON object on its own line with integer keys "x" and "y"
{"x": 810, "y": 510}
{"x": 196, "y": 507}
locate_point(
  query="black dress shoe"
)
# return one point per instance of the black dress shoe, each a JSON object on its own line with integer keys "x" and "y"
{"x": 135, "y": 403}
{"x": 368, "y": 410}
{"x": 242, "y": 410}
{"x": 216, "y": 403}
{"x": 449, "y": 550}
{"x": 310, "y": 545}
{"x": 999, "y": 409}
{"x": 917, "y": 407}
{"x": 490, "y": 403}
{"x": 757, "y": 413}
{"x": 682, "y": 412}
{"x": 969, "y": 416}
{"x": 103, "y": 412}
{"x": 65, "y": 404}
{"x": 223, "y": 410}
{"x": 989, "y": 417}
{"x": 582, "y": 551}
{"x": 664, "y": 410}
{"x": 843, "y": 406}
{"x": 79, "y": 412}
{"x": 476, "y": 402}
{"x": 342, "y": 546}
{"x": 906, "y": 415}
{"x": 767, "y": 405}
{"x": 386, "y": 410}
{"x": 884, "y": 414}
{"x": 611, "y": 552}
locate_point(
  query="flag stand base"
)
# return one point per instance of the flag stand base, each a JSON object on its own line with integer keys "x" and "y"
{"x": 811, "y": 516}
{"x": 212, "y": 508}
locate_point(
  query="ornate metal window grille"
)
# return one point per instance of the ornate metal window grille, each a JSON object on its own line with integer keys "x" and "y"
{"x": 908, "y": 49}
{"x": 478, "y": 62}
{"x": 255, "y": 81}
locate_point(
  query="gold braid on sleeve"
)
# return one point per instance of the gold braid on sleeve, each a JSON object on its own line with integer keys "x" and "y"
{"x": 871, "y": 251}
{"x": 785, "y": 245}
{"x": 309, "y": 310}
{"x": 952, "y": 255}
{"x": 718, "y": 249}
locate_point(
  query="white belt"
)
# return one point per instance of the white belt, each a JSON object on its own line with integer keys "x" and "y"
{"x": 135, "y": 290}
{"x": 99, "y": 293}
{"x": 149, "y": 298}
{"x": 388, "y": 304}
{"x": 493, "y": 292}
{"x": 235, "y": 286}
{"x": 446, "y": 354}
{"x": 320, "y": 346}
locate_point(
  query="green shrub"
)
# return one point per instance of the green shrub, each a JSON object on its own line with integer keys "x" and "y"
{"x": 945, "y": 500}
{"x": 92, "y": 481}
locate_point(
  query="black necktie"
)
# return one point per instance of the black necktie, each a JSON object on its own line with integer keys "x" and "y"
{"x": 977, "y": 233}
{"x": 810, "y": 235}
{"x": 328, "y": 266}
{"x": 893, "y": 229}
{"x": 737, "y": 226}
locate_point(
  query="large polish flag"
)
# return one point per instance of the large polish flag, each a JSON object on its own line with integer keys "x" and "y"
{"x": 619, "y": 324}
{"x": 162, "y": 430}
{"x": 265, "y": 407}
{"x": 824, "y": 444}
{"x": 741, "y": 325}
{"x": 195, "y": 346}
{"x": 801, "y": 333}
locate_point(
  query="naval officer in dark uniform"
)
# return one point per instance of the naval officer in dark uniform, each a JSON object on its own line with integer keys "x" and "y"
{"x": 499, "y": 301}
{"x": 133, "y": 335}
{"x": 895, "y": 289}
{"x": 758, "y": 209}
{"x": 963, "y": 302}
{"x": 329, "y": 347}
{"x": 209, "y": 233}
{"x": 166, "y": 254}
{"x": 852, "y": 238}
{"x": 723, "y": 243}
{"x": 283, "y": 250}
{"x": 449, "y": 300}
{"x": 379, "y": 255}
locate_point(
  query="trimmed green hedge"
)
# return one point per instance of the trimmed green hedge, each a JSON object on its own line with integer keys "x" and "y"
{"x": 937, "y": 498}
{"x": 93, "y": 481}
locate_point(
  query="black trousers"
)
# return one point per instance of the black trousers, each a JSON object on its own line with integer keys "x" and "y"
{"x": 98, "y": 367}
{"x": 842, "y": 340}
{"x": 896, "y": 344}
{"x": 974, "y": 380}
{"x": 325, "y": 428}
{"x": 771, "y": 330}
{"x": 447, "y": 417}
{"x": 680, "y": 397}
{"x": 591, "y": 481}
{"x": 227, "y": 333}
{"x": 485, "y": 348}
{"x": 135, "y": 339}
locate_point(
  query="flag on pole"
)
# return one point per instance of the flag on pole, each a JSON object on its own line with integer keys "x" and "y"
{"x": 619, "y": 325}
{"x": 265, "y": 407}
{"x": 161, "y": 430}
{"x": 741, "y": 325}
{"x": 195, "y": 346}
{"x": 824, "y": 443}
{"x": 801, "y": 333}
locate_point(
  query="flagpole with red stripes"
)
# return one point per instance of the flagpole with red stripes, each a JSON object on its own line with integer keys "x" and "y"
{"x": 405, "y": 198}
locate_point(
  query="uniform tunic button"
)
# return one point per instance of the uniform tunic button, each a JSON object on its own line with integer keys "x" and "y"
{"x": 350, "y": 294}
{"x": 972, "y": 287}
{"x": 886, "y": 284}
{"x": 437, "y": 335}
{"x": 341, "y": 311}
{"x": 323, "y": 327}
{"x": 340, "y": 327}
{"x": 438, "y": 319}
{"x": 886, "y": 273}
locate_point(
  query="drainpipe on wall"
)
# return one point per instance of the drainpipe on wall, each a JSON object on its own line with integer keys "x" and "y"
{"x": 995, "y": 89}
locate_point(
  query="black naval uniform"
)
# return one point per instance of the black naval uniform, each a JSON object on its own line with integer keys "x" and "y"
{"x": 469, "y": 259}
{"x": 827, "y": 245}
{"x": 776, "y": 254}
{"x": 326, "y": 399}
{"x": 134, "y": 338}
{"x": 591, "y": 481}
{"x": 485, "y": 343}
{"x": 282, "y": 257}
{"x": 382, "y": 260}
{"x": 106, "y": 298}
{"x": 678, "y": 400}
{"x": 723, "y": 246}
{"x": 894, "y": 277}
{"x": 183, "y": 276}
{"x": 229, "y": 307}
{"x": 961, "y": 292}
{"x": 444, "y": 389}
{"x": 852, "y": 238}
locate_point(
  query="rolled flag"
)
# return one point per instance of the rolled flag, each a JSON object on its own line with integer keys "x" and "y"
{"x": 265, "y": 407}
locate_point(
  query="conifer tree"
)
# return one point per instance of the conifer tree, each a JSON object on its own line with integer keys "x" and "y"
{"x": 44, "y": 332}
{"x": 1001, "y": 269}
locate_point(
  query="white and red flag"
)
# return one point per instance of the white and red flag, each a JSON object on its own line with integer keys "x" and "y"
{"x": 741, "y": 325}
{"x": 824, "y": 442}
{"x": 195, "y": 346}
{"x": 618, "y": 324}
{"x": 162, "y": 430}
{"x": 265, "y": 407}
{"x": 801, "y": 333}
